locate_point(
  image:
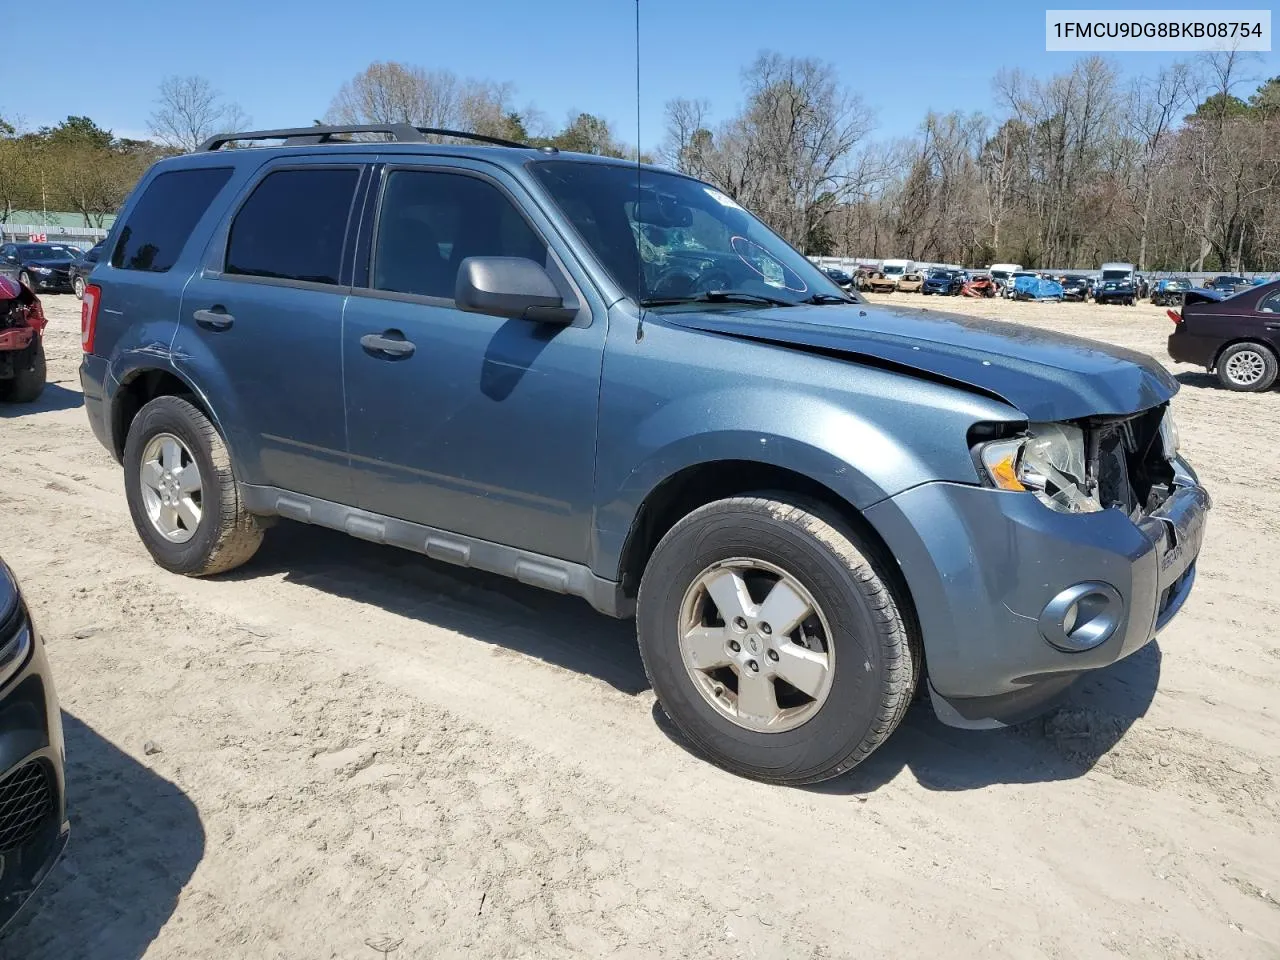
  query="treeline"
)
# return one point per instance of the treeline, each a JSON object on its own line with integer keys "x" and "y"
{"x": 1169, "y": 171}
{"x": 1178, "y": 170}
{"x": 74, "y": 167}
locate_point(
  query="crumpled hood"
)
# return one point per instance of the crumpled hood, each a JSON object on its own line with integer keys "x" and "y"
{"x": 1046, "y": 375}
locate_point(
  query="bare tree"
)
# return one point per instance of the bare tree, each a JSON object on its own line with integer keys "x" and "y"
{"x": 189, "y": 111}
{"x": 1154, "y": 106}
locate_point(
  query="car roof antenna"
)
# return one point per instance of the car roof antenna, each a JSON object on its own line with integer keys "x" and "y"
{"x": 639, "y": 229}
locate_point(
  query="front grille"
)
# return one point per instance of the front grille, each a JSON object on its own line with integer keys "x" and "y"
{"x": 26, "y": 799}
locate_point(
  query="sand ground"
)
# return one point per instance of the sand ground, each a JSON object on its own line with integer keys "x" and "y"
{"x": 343, "y": 750}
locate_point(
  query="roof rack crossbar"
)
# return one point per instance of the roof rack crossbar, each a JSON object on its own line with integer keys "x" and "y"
{"x": 397, "y": 132}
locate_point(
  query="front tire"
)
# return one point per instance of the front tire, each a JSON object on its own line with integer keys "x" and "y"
{"x": 772, "y": 641}
{"x": 27, "y": 382}
{"x": 182, "y": 492}
{"x": 77, "y": 286}
{"x": 24, "y": 278}
{"x": 1247, "y": 368}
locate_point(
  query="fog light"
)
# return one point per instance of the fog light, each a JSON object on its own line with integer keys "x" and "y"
{"x": 1082, "y": 617}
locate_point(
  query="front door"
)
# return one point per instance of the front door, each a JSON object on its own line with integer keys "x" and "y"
{"x": 474, "y": 424}
{"x": 261, "y": 327}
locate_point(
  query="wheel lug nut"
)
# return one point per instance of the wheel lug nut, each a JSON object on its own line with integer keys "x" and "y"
{"x": 773, "y": 655}
{"x": 740, "y": 623}
{"x": 765, "y": 628}
{"x": 735, "y": 646}
{"x": 753, "y": 666}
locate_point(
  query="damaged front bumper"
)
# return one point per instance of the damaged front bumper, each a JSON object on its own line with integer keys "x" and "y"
{"x": 1016, "y": 601}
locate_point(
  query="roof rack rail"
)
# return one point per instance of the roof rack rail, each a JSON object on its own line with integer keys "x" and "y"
{"x": 398, "y": 132}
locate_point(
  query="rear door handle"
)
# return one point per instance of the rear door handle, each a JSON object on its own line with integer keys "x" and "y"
{"x": 390, "y": 345}
{"x": 214, "y": 319}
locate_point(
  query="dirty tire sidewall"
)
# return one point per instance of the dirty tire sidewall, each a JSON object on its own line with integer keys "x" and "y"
{"x": 875, "y": 669}
{"x": 29, "y": 375}
{"x": 1269, "y": 363}
{"x": 227, "y": 535}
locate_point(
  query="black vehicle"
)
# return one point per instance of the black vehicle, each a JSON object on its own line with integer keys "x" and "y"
{"x": 946, "y": 283}
{"x": 1228, "y": 285}
{"x": 82, "y": 267}
{"x": 843, "y": 279}
{"x": 1116, "y": 291}
{"x": 1237, "y": 337}
{"x": 44, "y": 267}
{"x": 1074, "y": 287}
{"x": 33, "y": 820}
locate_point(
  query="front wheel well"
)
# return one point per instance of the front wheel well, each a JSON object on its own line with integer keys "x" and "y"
{"x": 695, "y": 486}
{"x": 139, "y": 390}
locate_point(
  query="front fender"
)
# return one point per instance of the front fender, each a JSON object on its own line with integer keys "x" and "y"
{"x": 858, "y": 460}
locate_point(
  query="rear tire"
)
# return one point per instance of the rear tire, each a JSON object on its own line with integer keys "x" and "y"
{"x": 1247, "y": 368}
{"x": 27, "y": 382}
{"x": 209, "y": 533}
{"x": 852, "y": 660}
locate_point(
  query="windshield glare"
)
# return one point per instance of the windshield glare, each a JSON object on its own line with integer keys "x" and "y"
{"x": 691, "y": 239}
{"x": 1115, "y": 274}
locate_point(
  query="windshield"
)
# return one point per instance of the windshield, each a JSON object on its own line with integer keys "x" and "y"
{"x": 937, "y": 274}
{"x": 51, "y": 251}
{"x": 894, "y": 270}
{"x": 1000, "y": 274}
{"x": 1115, "y": 274}
{"x": 692, "y": 239}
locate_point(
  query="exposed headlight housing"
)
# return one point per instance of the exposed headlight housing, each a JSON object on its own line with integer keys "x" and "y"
{"x": 1169, "y": 435}
{"x": 1049, "y": 462}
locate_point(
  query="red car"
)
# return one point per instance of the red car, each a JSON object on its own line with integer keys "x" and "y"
{"x": 1236, "y": 336}
{"x": 22, "y": 323}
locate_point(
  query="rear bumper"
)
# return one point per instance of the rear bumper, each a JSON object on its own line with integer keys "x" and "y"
{"x": 33, "y": 821}
{"x": 993, "y": 574}
{"x": 94, "y": 372}
{"x": 1186, "y": 348}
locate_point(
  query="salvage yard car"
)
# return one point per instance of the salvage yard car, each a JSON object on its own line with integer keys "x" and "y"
{"x": 504, "y": 357}
{"x": 22, "y": 323}
{"x": 1169, "y": 291}
{"x": 44, "y": 267}
{"x": 33, "y": 821}
{"x": 944, "y": 283}
{"x": 910, "y": 282}
{"x": 1238, "y": 337}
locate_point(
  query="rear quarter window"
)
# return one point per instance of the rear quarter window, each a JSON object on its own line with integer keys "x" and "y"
{"x": 162, "y": 220}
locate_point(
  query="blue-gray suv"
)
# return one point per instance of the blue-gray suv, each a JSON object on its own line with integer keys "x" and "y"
{"x": 610, "y": 380}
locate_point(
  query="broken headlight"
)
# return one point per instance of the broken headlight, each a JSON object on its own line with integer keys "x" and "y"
{"x": 1049, "y": 462}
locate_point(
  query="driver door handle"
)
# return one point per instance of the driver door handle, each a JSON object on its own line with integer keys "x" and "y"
{"x": 390, "y": 345}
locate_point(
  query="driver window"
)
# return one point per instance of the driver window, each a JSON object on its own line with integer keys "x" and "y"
{"x": 431, "y": 221}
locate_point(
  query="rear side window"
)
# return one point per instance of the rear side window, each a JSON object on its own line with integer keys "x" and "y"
{"x": 293, "y": 226}
{"x": 164, "y": 216}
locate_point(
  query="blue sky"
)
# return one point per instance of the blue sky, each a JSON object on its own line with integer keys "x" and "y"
{"x": 283, "y": 60}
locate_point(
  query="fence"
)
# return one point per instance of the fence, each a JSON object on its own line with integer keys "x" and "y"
{"x": 78, "y": 236}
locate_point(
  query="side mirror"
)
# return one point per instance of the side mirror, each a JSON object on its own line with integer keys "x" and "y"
{"x": 513, "y": 287}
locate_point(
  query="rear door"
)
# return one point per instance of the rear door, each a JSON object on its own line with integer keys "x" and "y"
{"x": 262, "y": 321}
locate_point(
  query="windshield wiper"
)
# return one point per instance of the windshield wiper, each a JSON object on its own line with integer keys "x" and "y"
{"x": 718, "y": 296}
{"x": 828, "y": 298}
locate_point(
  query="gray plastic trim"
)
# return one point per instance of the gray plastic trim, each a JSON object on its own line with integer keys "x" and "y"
{"x": 549, "y": 573}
